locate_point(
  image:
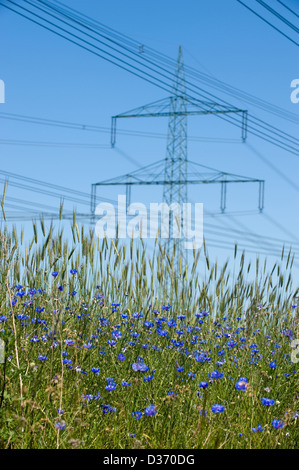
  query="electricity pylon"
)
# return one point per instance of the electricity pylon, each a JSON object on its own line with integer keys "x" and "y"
{"x": 176, "y": 156}
{"x": 174, "y": 171}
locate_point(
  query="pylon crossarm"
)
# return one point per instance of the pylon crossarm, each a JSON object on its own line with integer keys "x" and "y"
{"x": 166, "y": 107}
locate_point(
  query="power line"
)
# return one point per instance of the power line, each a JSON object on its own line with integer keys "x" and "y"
{"x": 52, "y": 144}
{"x": 52, "y": 122}
{"x": 165, "y": 60}
{"x": 92, "y": 128}
{"x": 82, "y": 196}
{"x": 251, "y": 120}
{"x": 276, "y": 250}
{"x": 245, "y": 97}
{"x": 32, "y": 204}
{"x": 158, "y": 82}
{"x": 274, "y": 168}
{"x": 278, "y": 15}
{"x": 93, "y": 46}
{"x": 229, "y": 246}
{"x": 228, "y": 233}
{"x": 14, "y": 217}
{"x": 270, "y": 24}
{"x": 288, "y": 8}
{"x": 71, "y": 194}
{"x": 278, "y": 225}
{"x": 248, "y": 235}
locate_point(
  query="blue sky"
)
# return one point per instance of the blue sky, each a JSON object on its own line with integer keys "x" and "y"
{"x": 47, "y": 77}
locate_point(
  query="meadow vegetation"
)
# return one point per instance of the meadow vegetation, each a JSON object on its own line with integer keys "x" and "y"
{"x": 111, "y": 346}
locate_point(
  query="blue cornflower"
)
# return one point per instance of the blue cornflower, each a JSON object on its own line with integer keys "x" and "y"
{"x": 242, "y": 384}
{"x": 121, "y": 357}
{"x": 148, "y": 378}
{"x": 272, "y": 365}
{"x": 111, "y": 386}
{"x": 267, "y": 401}
{"x": 258, "y": 429}
{"x": 32, "y": 292}
{"x": 35, "y": 339}
{"x": 218, "y": 408}
{"x": 200, "y": 358}
{"x": 137, "y": 414}
{"x": 199, "y": 315}
{"x": 231, "y": 344}
{"x": 67, "y": 361}
{"x": 139, "y": 366}
{"x": 148, "y": 324}
{"x": 69, "y": 342}
{"x": 116, "y": 334}
{"x": 166, "y": 307}
{"x": 203, "y": 384}
{"x": 73, "y": 271}
{"x": 20, "y": 294}
{"x": 137, "y": 315}
{"x": 135, "y": 334}
{"x": 108, "y": 409}
{"x": 126, "y": 384}
{"x": 60, "y": 425}
{"x": 162, "y": 332}
{"x": 216, "y": 375}
{"x": 42, "y": 358}
{"x": 95, "y": 370}
{"x": 55, "y": 273}
{"x": 87, "y": 397}
{"x": 150, "y": 410}
{"x": 277, "y": 424}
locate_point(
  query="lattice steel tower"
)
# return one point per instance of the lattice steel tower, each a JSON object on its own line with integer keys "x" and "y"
{"x": 175, "y": 172}
{"x": 176, "y": 153}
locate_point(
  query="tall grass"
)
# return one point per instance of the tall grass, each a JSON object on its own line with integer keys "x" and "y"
{"x": 57, "y": 328}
